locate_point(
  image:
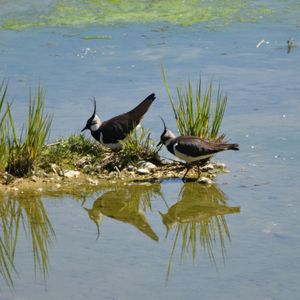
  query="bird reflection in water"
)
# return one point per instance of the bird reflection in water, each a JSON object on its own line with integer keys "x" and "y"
{"x": 198, "y": 219}
{"x": 126, "y": 204}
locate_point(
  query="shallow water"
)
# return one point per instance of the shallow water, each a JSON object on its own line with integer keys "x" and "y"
{"x": 253, "y": 211}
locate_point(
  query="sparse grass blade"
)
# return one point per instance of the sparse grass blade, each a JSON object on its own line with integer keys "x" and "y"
{"x": 38, "y": 127}
{"x": 218, "y": 114}
{"x": 3, "y": 92}
{"x": 3, "y": 121}
{"x": 195, "y": 114}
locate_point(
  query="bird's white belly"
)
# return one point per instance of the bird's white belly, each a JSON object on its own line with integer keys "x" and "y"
{"x": 190, "y": 159}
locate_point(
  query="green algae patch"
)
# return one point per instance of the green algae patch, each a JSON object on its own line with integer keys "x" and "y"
{"x": 95, "y": 37}
{"x": 110, "y": 12}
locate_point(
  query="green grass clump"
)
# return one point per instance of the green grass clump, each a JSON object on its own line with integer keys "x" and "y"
{"x": 67, "y": 152}
{"x": 18, "y": 153}
{"x": 82, "y": 153}
{"x": 137, "y": 147}
{"x": 24, "y": 150}
{"x": 194, "y": 111}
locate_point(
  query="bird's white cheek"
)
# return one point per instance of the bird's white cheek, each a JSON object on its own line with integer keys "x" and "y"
{"x": 167, "y": 143}
{"x": 95, "y": 127}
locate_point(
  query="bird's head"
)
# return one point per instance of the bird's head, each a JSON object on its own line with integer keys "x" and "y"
{"x": 166, "y": 136}
{"x": 94, "y": 122}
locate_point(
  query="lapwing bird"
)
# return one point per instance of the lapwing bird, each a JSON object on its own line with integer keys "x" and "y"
{"x": 109, "y": 133}
{"x": 192, "y": 149}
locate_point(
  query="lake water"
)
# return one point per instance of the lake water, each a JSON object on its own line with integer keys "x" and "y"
{"x": 239, "y": 239}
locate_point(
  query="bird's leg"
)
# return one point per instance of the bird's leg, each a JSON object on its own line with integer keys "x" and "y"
{"x": 188, "y": 167}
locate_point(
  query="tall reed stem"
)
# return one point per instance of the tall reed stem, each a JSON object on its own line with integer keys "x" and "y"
{"x": 194, "y": 110}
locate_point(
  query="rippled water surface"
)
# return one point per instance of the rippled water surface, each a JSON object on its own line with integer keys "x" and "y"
{"x": 238, "y": 239}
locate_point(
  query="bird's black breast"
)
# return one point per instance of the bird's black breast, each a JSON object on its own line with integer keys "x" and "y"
{"x": 116, "y": 130}
{"x": 96, "y": 135}
{"x": 170, "y": 147}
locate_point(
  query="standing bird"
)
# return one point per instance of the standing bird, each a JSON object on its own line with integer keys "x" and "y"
{"x": 109, "y": 133}
{"x": 192, "y": 149}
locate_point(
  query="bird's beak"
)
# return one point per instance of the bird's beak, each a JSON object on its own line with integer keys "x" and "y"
{"x": 159, "y": 143}
{"x": 85, "y": 128}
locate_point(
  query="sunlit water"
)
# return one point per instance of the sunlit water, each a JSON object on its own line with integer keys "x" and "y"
{"x": 237, "y": 240}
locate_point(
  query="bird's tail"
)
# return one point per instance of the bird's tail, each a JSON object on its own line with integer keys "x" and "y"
{"x": 216, "y": 147}
{"x": 231, "y": 146}
{"x": 142, "y": 108}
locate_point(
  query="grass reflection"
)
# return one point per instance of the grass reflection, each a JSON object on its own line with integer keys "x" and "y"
{"x": 126, "y": 204}
{"x": 198, "y": 221}
{"x": 25, "y": 210}
{"x": 8, "y": 240}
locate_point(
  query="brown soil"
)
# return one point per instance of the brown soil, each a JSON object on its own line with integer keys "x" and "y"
{"x": 55, "y": 183}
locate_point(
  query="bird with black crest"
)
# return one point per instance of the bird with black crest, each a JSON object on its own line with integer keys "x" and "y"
{"x": 192, "y": 149}
{"x": 109, "y": 133}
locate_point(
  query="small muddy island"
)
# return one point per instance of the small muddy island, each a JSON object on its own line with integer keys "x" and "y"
{"x": 121, "y": 150}
{"x": 64, "y": 165}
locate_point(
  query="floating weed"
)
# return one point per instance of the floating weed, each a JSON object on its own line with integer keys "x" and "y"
{"x": 214, "y": 13}
{"x": 194, "y": 111}
{"x": 95, "y": 37}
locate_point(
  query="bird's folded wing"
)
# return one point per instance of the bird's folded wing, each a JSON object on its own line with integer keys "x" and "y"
{"x": 117, "y": 129}
{"x": 194, "y": 147}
